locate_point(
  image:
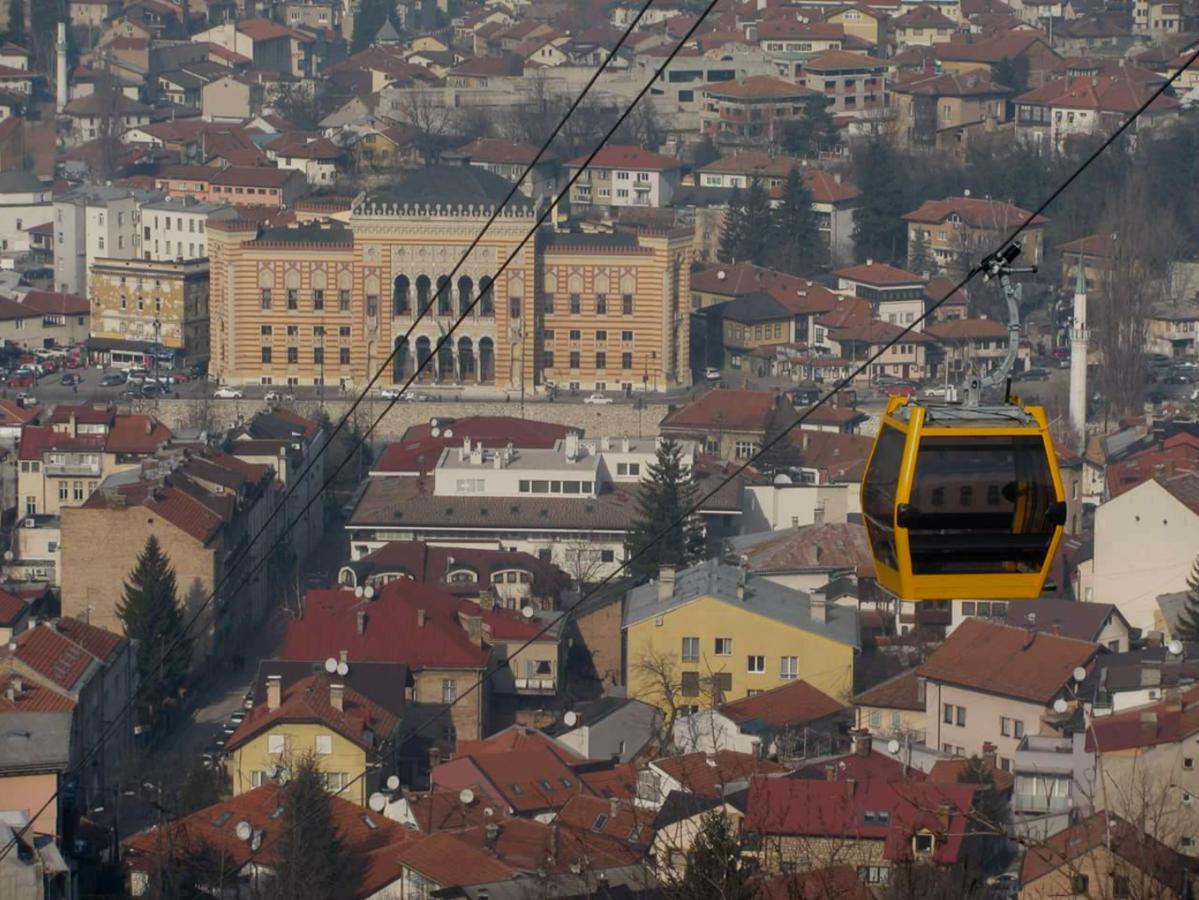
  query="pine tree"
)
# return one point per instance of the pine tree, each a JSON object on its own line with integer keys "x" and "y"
{"x": 367, "y": 21}
{"x": 313, "y": 860}
{"x": 715, "y": 866}
{"x": 1187, "y": 628}
{"x": 878, "y": 229}
{"x": 16, "y": 22}
{"x": 757, "y": 222}
{"x": 815, "y": 132}
{"x": 989, "y": 816}
{"x": 732, "y": 231}
{"x": 783, "y": 453}
{"x": 797, "y": 245}
{"x": 152, "y": 616}
{"x": 655, "y": 539}
{"x": 919, "y": 259}
{"x": 200, "y": 789}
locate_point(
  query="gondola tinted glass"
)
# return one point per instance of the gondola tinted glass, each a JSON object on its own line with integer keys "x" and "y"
{"x": 878, "y": 496}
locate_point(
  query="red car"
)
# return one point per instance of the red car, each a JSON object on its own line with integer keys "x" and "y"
{"x": 22, "y": 381}
{"x": 179, "y": 377}
{"x": 898, "y": 390}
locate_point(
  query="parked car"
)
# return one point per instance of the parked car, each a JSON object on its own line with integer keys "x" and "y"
{"x": 1177, "y": 377}
{"x": 389, "y": 394}
{"x": 712, "y": 374}
{"x": 180, "y": 377}
{"x": 112, "y": 379}
{"x": 898, "y": 389}
{"x": 276, "y": 397}
{"x": 151, "y": 389}
{"x": 939, "y": 392}
{"x": 1031, "y": 375}
{"x": 22, "y": 380}
{"x": 598, "y": 400}
{"x": 71, "y": 379}
{"x": 238, "y": 716}
{"x": 227, "y": 393}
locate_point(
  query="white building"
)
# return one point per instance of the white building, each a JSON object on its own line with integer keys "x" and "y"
{"x": 94, "y": 222}
{"x": 25, "y": 201}
{"x": 177, "y": 228}
{"x": 571, "y": 505}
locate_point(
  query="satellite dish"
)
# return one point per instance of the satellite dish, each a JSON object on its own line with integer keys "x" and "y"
{"x": 368, "y": 592}
{"x": 467, "y": 796}
{"x": 331, "y": 665}
{"x": 343, "y": 669}
{"x": 1175, "y": 648}
{"x": 283, "y": 776}
{"x": 358, "y": 592}
{"x": 393, "y": 782}
{"x": 243, "y": 830}
{"x": 571, "y": 718}
{"x": 435, "y": 431}
{"x": 1060, "y": 705}
{"x": 892, "y": 747}
{"x": 377, "y": 801}
{"x": 782, "y": 478}
{"x": 488, "y": 812}
{"x": 527, "y": 612}
{"x": 1080, "y": 674}
{"x": 449, "y": 432}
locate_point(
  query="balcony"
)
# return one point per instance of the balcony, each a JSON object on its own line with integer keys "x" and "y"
{"x": 72, "y": 469}
{"x": 1039, "y": 803}
{"x": 536, "y": 685}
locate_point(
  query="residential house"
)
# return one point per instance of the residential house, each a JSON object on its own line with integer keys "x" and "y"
{"x": 420, "y": 447}
{"x": 956, "y": 230}
{"x": 752, "y": 112}
{"x": 624, "y": 175}
{"x": 1098, "y": 623}
{"x": 967, "y": 346}
{"x": 81, "y": 679}
{"x": 317, "y": 157}
{"x": 1050, "y": 115}
{"x": 1104, "y": 855}
{"x": 806, "y": 558}
{"x": 870, "y": 24}
{"x": 36, "y": 320}
{"x": 1055, "y": 783}
{"x": 256, "y": 186}
{"x": 510, "y": 159}
{"x": 922, "y": 26}
{"x": 25, "y": 202}
{"x": 731, "y": 424}
{"x": 894, "y": 709}
{"x": 1174, "y": 326}
{"x": 895, "y": 296}
{"x": 988, "y": 54}
{"x": 87, "y": 115}
{"x": 989, "y": 683}
{"x": 680, "y": 820}
{"x": 534, "y": 781}
{"x": 272, "y": 47}
{"x": 345, "y": 730}
{"x": 852, "y": 334}
{"x": 877, "y": 818}
{"x": 1144, "y": 546}
{"x": 722, "y": 774}
{"x": 730, "y": 635}
{"x": 806, "y": 299}
{"x": 854, "y": 84}
{"x": 1157, "y": 18}
{"x": 794, "y": 720}
{"x": 232, "y": 98}
{"x": 944, "y": 110}
{"x": 744, "y": 325}
{"x": 614, "y": 728}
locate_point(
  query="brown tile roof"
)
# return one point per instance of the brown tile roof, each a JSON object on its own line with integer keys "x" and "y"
{"x": 923, "y": 17}
{"x": 632, "y": 824}
{"x": 254, "y": 176}
{"x": 516, "y": 737}
{"x": 628, "y": 156}
{"x": 31, "y": 698}
{"x": 1102, "y": 246}
{"x": 838, "y": 457}
{"x": 360, "y": 720}
{"x": 618, "y": 781}
{"x": 56, "y": 656}
{"x": 757, "y": 87}
{"x": 530, "y": 779}
{"x": 974, "y": 211}
{"x": 709, "y": 774}
{"x": 1119, "y": 93}
{"x": 57, "y": 303}
{"x": 1184, "y": 488}
{"x": 99, "y": 642}
{"x": 839, "y": 545}
{"x": 787, "y": 705}
{"x": 495, "y": 150}
{"x": 444, "y": 811}
{"x": 12, "y": 608}
{"x": 1007, "y": 661}
{"x": 445, "y": 860}
{"x": 992, "y": 50}
{"x": 949, "y": 771}
{"x": 1129, "y": 843}
{"x": 726, "y": 408}
{"x": 897, "y": 692}
{"x": 1168, "y": 722}
{"x": 879, "y": 274}
{"x": 266, "y": 30}
{"x": 949, "y": 84}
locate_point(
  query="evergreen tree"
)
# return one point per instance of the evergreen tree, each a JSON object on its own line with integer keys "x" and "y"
{"x": 313, "y": 859}
{"x": 732, "y": 231}
{"x": 152, "y": 616}
{"x": 757, "y": 222}
{"x": 715, "y": 867}
{"x": 878, "y": 230}
{"x": 16, "y": 22}
{"x": 784, "y": 453}
{"x": 1187, "y": 628}
{"x": 989, "y": 817}
{"x": 199, "y": 790}
{"x": 816, "y": 131}
{"x": 919, "y": 259}
{"x": 797, "y": 246}
{"x": 655, "y": 539}
{"x": 367, "y": 21}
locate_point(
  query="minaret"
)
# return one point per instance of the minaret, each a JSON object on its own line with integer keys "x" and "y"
{"x": 61, "y": 59}
{"x": 1078, "y": 356}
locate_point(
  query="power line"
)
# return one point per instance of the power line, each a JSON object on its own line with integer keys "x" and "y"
{"x": 421, "y": 313}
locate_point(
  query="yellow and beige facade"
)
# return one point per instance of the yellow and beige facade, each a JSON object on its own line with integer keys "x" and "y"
{"x": 159, "y": 301}
{"x": 328, "y": 302}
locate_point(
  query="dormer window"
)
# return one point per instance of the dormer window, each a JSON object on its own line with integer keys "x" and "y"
{"x": 923, "y": 843}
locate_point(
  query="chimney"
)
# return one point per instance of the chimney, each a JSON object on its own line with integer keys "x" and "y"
{"x": 850, "y": 785}
{"x": 337, "y": 697}
{"x": 553, "y": 854}
{"x": 830, "y": 772}
{"x": 474, "y": 627}
{"x": 491, "y": 834}
{"x": 362, "y": 621}
{"x": 421, "y": 618}
{"x": 665, "y": 584}
{"x": 487, "y": 599}
{"x": 862, "y": 744}
{"x": 1057, "y": 629}
{"x": 989, "y": 755}
{"x": 434, "y": 757}
{"x": 274, "y": 691}
{"x": 740, "y": 584}
{"x": 818, "y": 515}
{"x": 819, "y": 608}
{"x": 613, "y": 807}
{"x": 343, "y": 656}
{"x": 944, "y": 810}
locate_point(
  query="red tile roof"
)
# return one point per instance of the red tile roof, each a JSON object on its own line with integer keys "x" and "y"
{"x": 797, "y": 294}
{"x": 516, "y": 737}
{"x": 58, "y": 657}
{"x": 1007, "y": 661}
{"x": 992, "y": 50}
{"x": 419, "y": 449}
{"x": 56, "y": 303}
{"x": 831, "y": 546}
{"x": 975, "y": 212}
{"x": 1102, "y": 246}
{"x": 12, "y": 608}
{"x": 1177, "y": 455}
{"x": 879, "y": 274}
{"x": 1120, "y": 94}
{"x": 31, "y": 698}
{"x": 254, "y": 176}
{"x": 711, "y": 774}
{"x": 303, "y": 146}
{"x": 1146, "y": 726}
{"x": 1184, "y": 488}
{"x": 99, "y": 642}
{"x": 728, "y": 409}
{"x": 266, "y": 30}
{"x": 390, "y": 630}
{"x": 444, "y": 811}
{"x": 897, "y": 692}
{"x": 949, "y": 771}
{"x": 1103, "y": 829}
{"x": 631, "y": 824}
{"x": 529, "y": 779}
{"x": 445, "y": 860}
{"x": 618, "y": 781}
{"x": 627, "y": 156}
{"x": 950, "y": 84}
{"x": 790, "y": 704}
{"x": 924, "y": 17}
{"x": 360, "y": 719}
{"x": 11, "y": 414}
{"x": 837, "y": 809}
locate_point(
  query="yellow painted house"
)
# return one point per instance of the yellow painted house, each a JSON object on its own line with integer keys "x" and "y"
{"x": 316, "y": 715}
{"x": 713, "y": 633}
